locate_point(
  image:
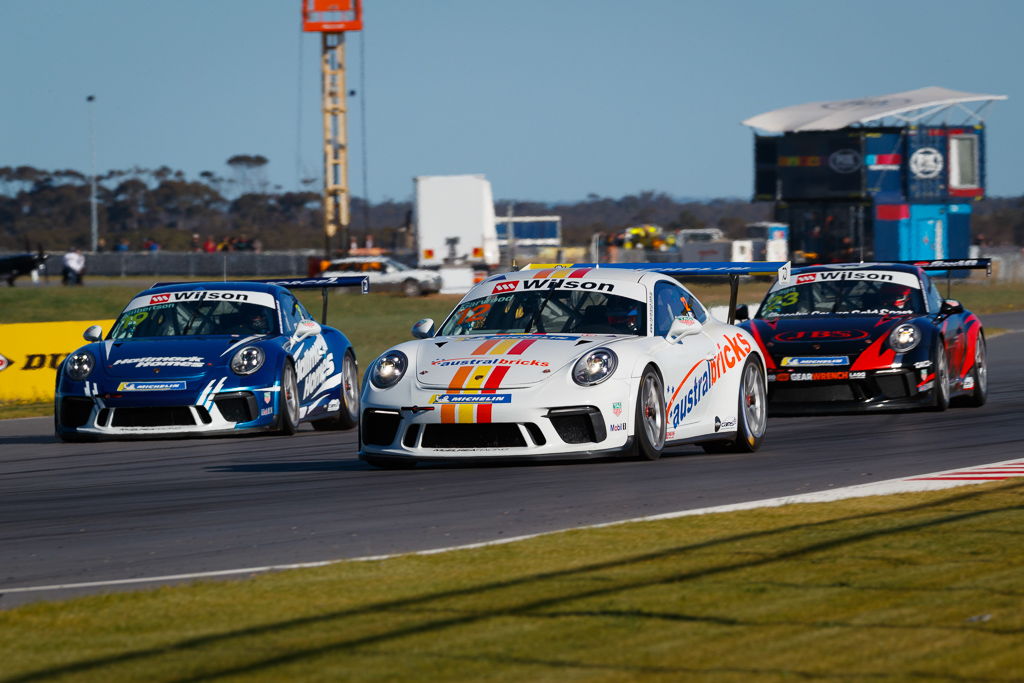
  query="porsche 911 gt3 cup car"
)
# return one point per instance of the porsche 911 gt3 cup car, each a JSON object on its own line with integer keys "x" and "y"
{"x": 206, "y": 358}
{"x": 869, "y": 336}
{"x": 571, "y": 360}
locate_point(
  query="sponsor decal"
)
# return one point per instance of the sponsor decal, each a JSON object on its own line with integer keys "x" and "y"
{"x": 163, "y": 362}
{"x": 729, "y": 423}
{"x": 564, "y": 283}
{"x": 730, "y": 352}
{"x": 922, "y": 364}
{"x": 844, "y": 160}
{"x": 818, "y": 376}
{"x": 266, "y": 411}
{"x": 471, "y": 398}
{"x": 152, "y": 386}
{"x": 619, "y": 427}
{"x": 480, "y": 380}
{"x": 159, "y": 298}
{"x": 771, "y": 378}
{"x": 3, "y": 362}
{"x": 799, "y": 376}
{"x": 534, "y": 336}
{"x": 926, "y": 163}
{"x": 805, "y": 361}
{"x": 315, "y": 366}
{"x": 497, "y": 347}
{"x": 448, "y": 362}
{"x": 806, "y": 277}
{"x": 718, "y": 423}
{"x": 504, "y": 287}
{"x": 884, "y": 162}
{"x": 820, "y": 335}
{"x": 617, "y": 408}
{"x": 267, "y": 397}
{"x": 968, "y": 382}
{"x": 858, "y": 375}
{"x": 334, "y": 404}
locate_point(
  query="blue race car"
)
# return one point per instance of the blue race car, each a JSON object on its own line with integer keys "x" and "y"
{"x": 205, "y": 358}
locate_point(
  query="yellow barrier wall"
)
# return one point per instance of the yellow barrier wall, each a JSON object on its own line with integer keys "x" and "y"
{"x": 31, "y": 352}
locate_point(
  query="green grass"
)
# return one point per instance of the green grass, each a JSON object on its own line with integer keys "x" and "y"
{"x": 914, "y": 587}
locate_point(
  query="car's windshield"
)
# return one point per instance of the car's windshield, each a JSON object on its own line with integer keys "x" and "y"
{"x": 195, "y": 318}
{"x": 844, "y": 297}
{"x": 548, "y": 311}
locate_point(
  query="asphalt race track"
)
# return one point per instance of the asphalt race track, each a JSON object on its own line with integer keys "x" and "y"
{"x": 73, "y": 513}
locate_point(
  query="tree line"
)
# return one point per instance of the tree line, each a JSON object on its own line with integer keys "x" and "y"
{"x": 51, "y": 209}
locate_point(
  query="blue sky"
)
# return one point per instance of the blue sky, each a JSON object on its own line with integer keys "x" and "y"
{"x": 551, "y": 99}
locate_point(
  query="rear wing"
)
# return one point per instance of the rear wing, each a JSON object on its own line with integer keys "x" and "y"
{"x": 952, "y": 264}
{"x": 732, "y": 269}
{"x": 321, "y": 283}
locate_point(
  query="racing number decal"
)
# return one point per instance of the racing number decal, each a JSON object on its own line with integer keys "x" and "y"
{"x": 474, "y": 314}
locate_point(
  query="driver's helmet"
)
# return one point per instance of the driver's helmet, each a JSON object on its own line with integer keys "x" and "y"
{"x": 257, "y": 321}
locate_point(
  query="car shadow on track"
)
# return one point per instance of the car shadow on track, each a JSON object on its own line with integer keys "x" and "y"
{"x": 35, "y": 438}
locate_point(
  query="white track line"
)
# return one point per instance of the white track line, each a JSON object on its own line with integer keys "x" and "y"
{"x": 924, "y": 482}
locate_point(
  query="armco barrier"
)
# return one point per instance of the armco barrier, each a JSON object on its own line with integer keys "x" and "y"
{"x": 31, "y": 352}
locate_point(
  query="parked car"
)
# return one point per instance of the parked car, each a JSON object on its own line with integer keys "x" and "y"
{"x": 852, "y": 337}
{"x": 205, "y": 358}
{"x": 386, "y": 273}
{"x": 568, "y": 361}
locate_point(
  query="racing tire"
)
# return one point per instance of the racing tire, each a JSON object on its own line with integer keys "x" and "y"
{"x": 979, "y": 394}
{"x": 751, "y": 413}
{"x": 386, "y": 463}
{"x": 940, "y": 385}
{"x": 347, "y": 416}
{"x": 649, "y": 419}
{"x": 288, "y": 407}
{"x": 411, "y": 288}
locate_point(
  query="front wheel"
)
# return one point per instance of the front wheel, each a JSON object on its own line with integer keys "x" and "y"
{"x": 411, "y": 288}
{"x": 979, "y": 373}
{"x": 348, "y": 412}
{"x": 288, "y": 402}
{"x": 649, "y": 417}
{"x": 940, "y": 381}
{"x": 751, "y": 413}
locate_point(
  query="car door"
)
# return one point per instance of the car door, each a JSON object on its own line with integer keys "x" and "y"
{"x": 307, "y": 353}
{"x": 685, "y": 363}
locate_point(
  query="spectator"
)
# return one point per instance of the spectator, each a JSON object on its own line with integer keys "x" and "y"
{"x": 74, "y": 267}
{"x": 196, "y": 244}
{"x": 123, "y": 245}
{"x": 226, "y": 244}
{"x": 209, "y": 246}
{"x": 243, "y": 243}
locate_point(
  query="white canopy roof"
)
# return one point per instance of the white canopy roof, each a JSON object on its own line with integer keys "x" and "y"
{"x": 843, "y": 113}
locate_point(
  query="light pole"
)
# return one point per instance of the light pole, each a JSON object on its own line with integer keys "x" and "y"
{"x": 94, "y": 220}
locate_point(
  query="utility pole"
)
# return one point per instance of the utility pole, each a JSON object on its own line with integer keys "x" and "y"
{"x": 94, "y": 223}
{"x": 332, "y": 18}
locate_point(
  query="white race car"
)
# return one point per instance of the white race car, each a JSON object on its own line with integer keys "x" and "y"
{"x": 569, "y": 361}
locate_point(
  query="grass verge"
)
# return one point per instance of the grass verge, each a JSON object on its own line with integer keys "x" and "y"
{"x": 915, "y": 587}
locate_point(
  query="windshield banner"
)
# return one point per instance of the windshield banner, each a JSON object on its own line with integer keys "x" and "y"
{"x": 156, "y": 299}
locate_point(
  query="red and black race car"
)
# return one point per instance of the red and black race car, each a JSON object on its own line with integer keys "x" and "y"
{"x": 856, "y": 337}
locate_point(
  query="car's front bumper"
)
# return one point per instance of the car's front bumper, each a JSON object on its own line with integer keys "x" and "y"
{"x": 534, "y": 423}
{"x": 822, "y": 391}
{"x": 94, "y": 414}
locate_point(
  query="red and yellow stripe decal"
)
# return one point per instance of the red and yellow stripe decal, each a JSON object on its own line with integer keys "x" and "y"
{"x": 474, "y": 379}
{"x": 561, "y": 273}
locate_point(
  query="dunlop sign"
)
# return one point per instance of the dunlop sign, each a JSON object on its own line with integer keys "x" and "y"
{"x": 31, "y": 352}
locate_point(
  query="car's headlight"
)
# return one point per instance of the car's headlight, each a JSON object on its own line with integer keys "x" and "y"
{"x": 248, "y": 360}
{"x": 595, "y": 367}
{"x": 904, "y": 338}
{"x": 388, "y": 369}
{"x": 79, "y": 365}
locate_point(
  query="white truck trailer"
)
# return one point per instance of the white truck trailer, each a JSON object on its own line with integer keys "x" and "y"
{"x": 454, "y": 217}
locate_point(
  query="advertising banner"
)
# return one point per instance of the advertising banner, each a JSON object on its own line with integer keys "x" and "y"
{"x": 30, "y": 354}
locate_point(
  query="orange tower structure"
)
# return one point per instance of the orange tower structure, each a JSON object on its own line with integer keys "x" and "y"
{"x": 331, "y": 19}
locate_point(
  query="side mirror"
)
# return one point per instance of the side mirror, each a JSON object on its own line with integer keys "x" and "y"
{"x": 93, "y": 333}
{"x": 742, "y": 312}
{"x": 423, "y": 329}
{"x": 683, "y": 326}
{"x": 306, "y": 328}
{"x": 951, "y": 306}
